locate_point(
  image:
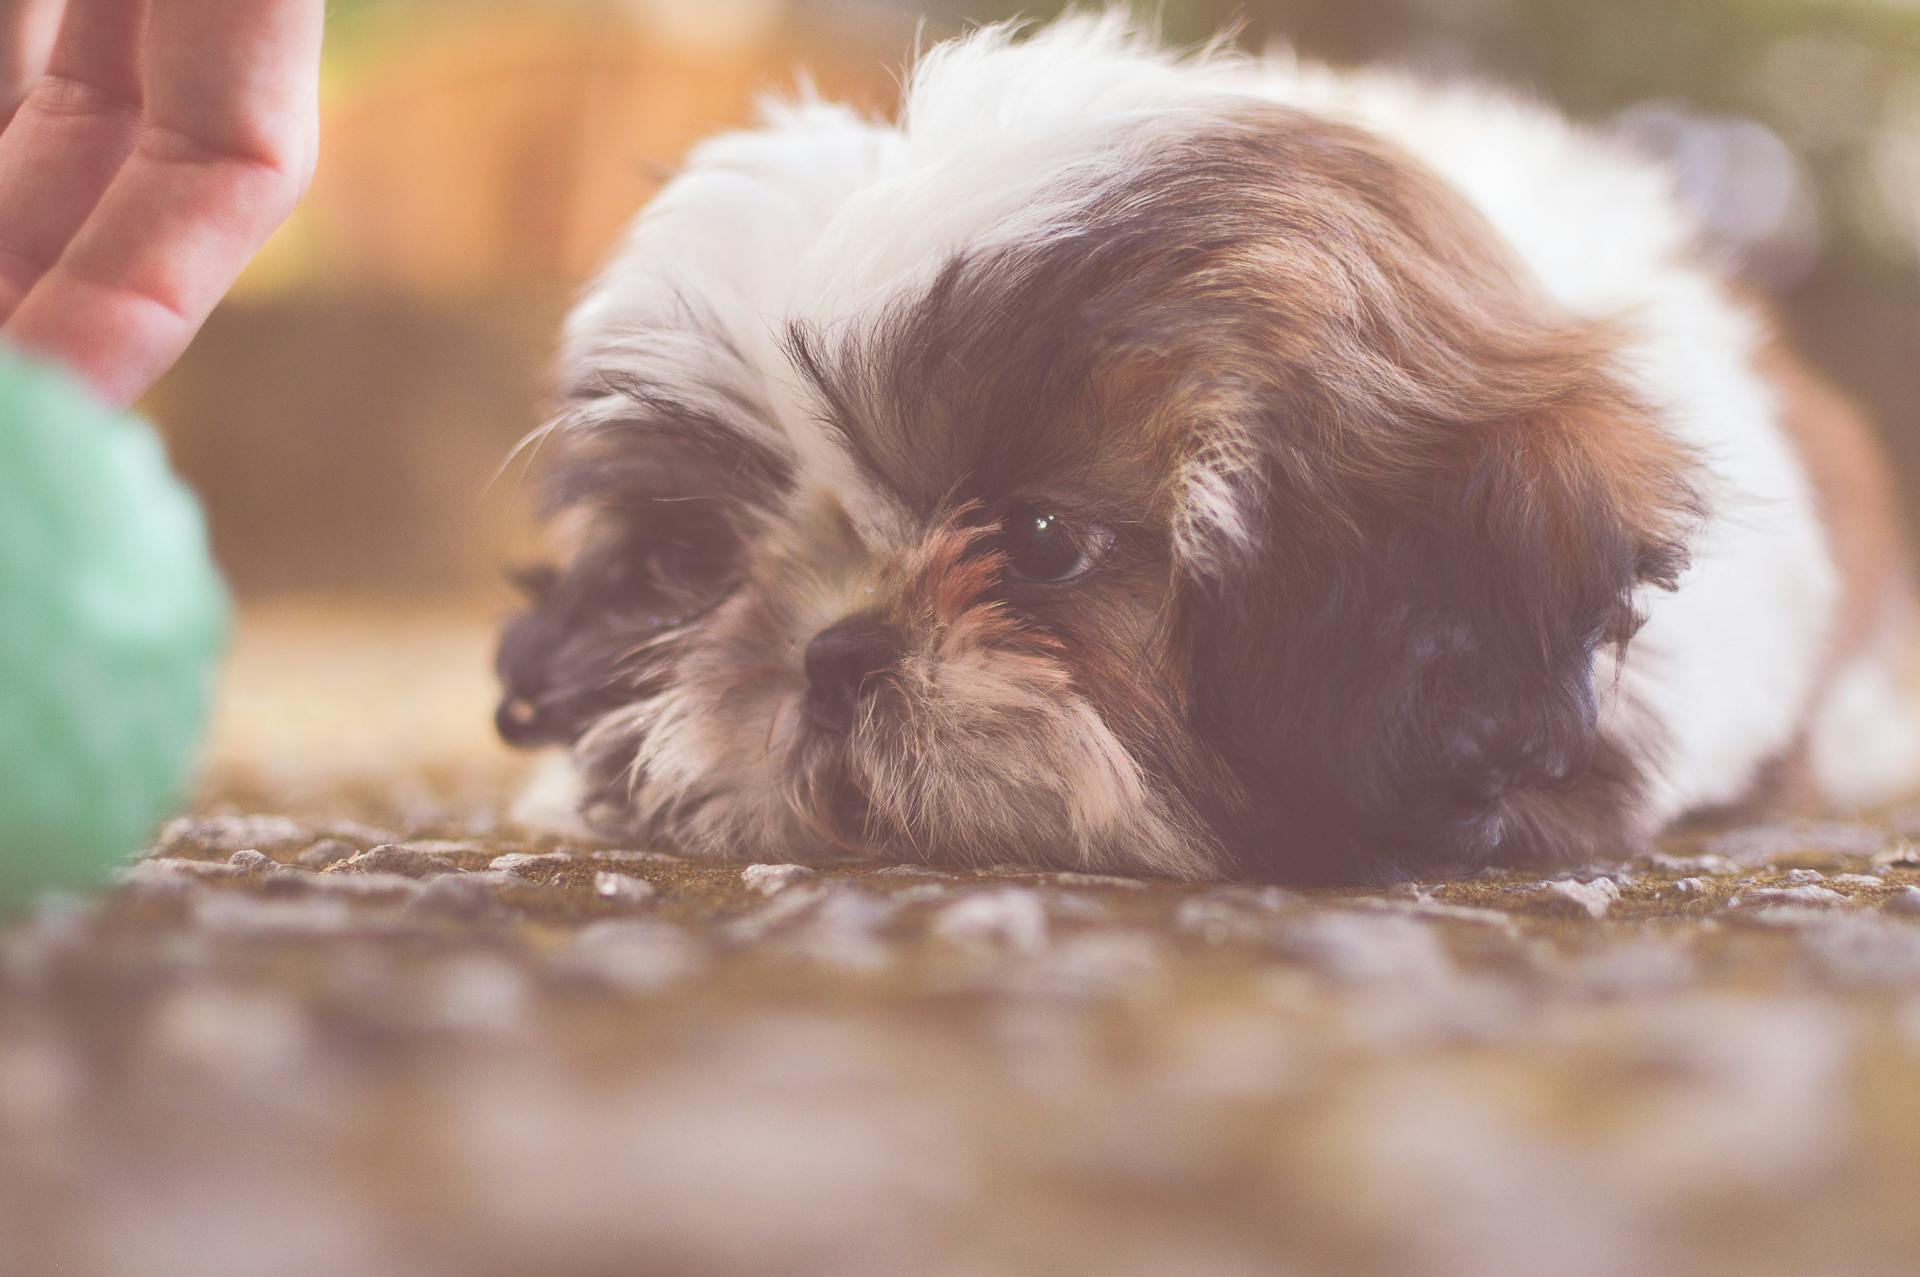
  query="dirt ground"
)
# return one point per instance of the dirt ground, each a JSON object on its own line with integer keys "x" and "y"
{"x": 346, "y": 1020}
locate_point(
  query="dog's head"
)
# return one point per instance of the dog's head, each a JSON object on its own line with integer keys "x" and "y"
{"x": 1185, "y": 486}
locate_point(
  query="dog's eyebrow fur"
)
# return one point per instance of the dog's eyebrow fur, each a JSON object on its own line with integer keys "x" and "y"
{"x": 626, "y": 440}
{"x": 1022, "y": 369}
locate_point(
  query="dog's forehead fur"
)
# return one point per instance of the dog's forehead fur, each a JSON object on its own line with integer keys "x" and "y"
{"x": 781, "y": 254}
{"x": 1062, "y": 365}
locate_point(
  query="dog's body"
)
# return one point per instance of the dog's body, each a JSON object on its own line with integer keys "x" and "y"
{"x": 1199, "y": 467}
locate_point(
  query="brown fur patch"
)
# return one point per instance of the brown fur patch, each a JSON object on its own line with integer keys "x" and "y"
{"x": 1454, "y": 496}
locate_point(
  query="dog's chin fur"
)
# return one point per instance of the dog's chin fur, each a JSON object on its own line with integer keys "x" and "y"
{"x": 1440, "y": 506}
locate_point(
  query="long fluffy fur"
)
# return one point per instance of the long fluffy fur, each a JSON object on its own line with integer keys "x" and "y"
{"x": 1453, "y": 516}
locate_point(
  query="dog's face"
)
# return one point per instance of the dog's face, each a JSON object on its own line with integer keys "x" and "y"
{"x": 1219, "y": 500}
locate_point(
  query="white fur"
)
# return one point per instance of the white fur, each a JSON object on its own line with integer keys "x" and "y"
{"x": 818, "y": 215}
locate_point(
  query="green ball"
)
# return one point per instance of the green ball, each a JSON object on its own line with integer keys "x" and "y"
{"x": 112, "y": 621}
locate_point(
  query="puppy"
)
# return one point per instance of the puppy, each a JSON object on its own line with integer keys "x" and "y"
{"x": 1194, "y": 466}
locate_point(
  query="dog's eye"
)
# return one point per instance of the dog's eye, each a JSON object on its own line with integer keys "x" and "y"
{"x": 679, "y": 566}
{"x": 1040, "y": 545}
{"x": 659, "y": 584}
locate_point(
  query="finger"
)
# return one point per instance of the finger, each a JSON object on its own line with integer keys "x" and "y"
{"x": 232, "y": 130}
{"x": 71, "y": 135}
{"x": 239, "y": 81}
{"x": 26, "y": 40}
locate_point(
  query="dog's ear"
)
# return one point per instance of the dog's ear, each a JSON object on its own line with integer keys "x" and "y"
{"x": 1389, "y": 675}
{"x": 1441, "y": 503}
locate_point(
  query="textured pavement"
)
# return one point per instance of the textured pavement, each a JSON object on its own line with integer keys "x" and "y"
{"x": 376, "y": 1030}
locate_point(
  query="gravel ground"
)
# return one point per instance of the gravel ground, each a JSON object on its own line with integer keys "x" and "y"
{"x": 380, "y": 1032}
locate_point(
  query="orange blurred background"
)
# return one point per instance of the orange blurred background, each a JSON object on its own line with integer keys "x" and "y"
{"x": 346, "y": 413}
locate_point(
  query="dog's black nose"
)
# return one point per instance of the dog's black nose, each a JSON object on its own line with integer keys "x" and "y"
{"x": 841, "y": 660}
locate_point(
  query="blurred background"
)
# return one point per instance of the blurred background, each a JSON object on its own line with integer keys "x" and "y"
{"x": 347, "y": 410}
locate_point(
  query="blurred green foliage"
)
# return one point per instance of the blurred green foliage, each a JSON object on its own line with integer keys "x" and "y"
{"x": 1837, "y": 80}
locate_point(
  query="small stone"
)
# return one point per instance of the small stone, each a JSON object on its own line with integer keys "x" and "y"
{"x": 1710, "y": 865}
{"x": 480, "y": 994}
{"x": 242, "y": 912}
{"x": 1096, "y": 964}
{"x": 252, "y": 862}
{"x": 396, "y": 858}
{"x": 1437, "y": 910}
{"x": 767, "y": 879}
{"x": 529, "y": 864}
{"x": 1367, "y": 948}
{"x": 355, "y": 834}
{"x": 1767, "y": 1102}
{"x": 1076, "y": 906}
{"x": 326, "y": 853}
{"x": 623, "y": 888}
{"x": 1634, "y": 967}
{"x": 1807, "y": 897}
{"x": 1864, "y": 949}
{"x": 1691, "y": 886}
{"x": 1766, "y": 844}
{"x": 1226, "y": 914}
{"x": 836, "y": 924}
{"x": 910, "y": 871}
{"x": 1005, "y": 917}
{"x": 635, "y": 956}
{"x": 1857, "y": 880}
{"x": 1572, "y": 896}
{"x": 162, "y": 871}
{"x": 924, "y": 893}
{"x": 444, "y": 847}
{"x": 471, "y": 897}
{"x": 224, "y": 835}
{"x": 1777, "y": 917}
{"x": 257, "y": 1037}
{"x": 1906, "y": 900}
{"x": 844, "y": 931}
{"x": 622, "y": 857}
{"x": 1066, "y": 879}
{"x": 1804, "y": 877}
{"x": 342, "y": 884}
{"x": 784, "y": 910}
{"x": 1266, "y": 899}
{"x": 1902, "y": 855}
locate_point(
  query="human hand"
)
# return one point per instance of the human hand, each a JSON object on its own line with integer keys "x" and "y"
{"x": 149, "y": 149}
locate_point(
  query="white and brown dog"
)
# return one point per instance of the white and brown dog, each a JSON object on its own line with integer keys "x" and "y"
{"x": 1197, "y": 466}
